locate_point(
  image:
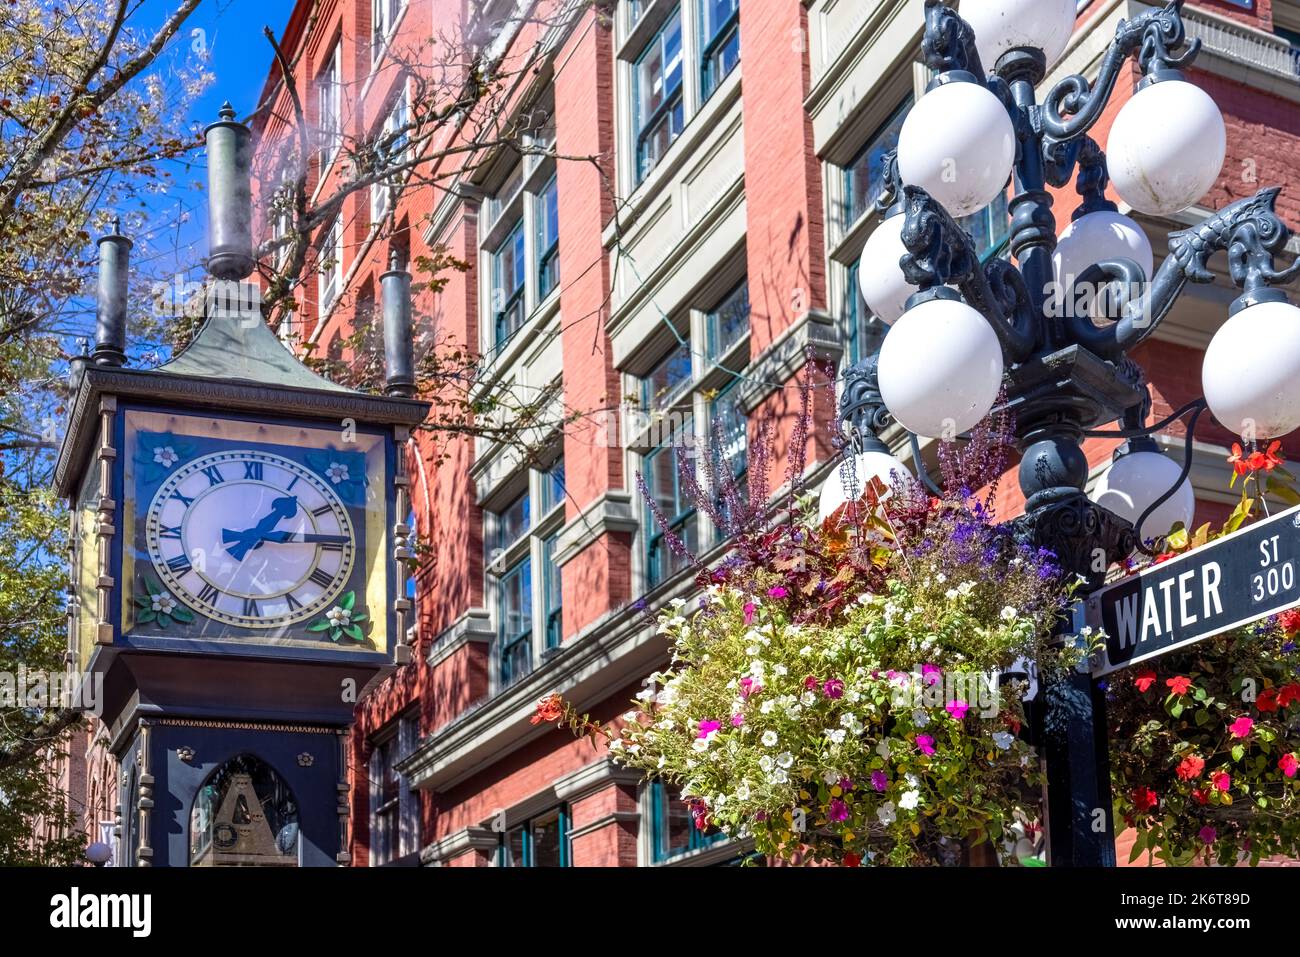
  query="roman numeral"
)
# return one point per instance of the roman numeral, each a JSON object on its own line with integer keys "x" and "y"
{"x": 185, "y": 499}
{"x": 322, "y": 578}
{"x": 209, "y": 593}
{"x": 180, "y": 564}
{"x": 253, "y": 470}
{"x": 331, "y": 546}
{"x": 170, "y": 532}
{"x": 290, "y": 486}
{"x": 250, "y": 608}
{"x": 323, "y": 510}
{"x": 294, "y": 604}
{"x": 214, "y": 475}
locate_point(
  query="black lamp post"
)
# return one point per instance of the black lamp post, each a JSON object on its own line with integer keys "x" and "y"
{"x": 1066, "y": 371}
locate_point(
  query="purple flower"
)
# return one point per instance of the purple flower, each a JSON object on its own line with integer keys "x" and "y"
{"x": 846, "y": 784}
{"x": 957, "y": 709}
{"x": 879, "y": 780}
{"x": 1208, "y": 834}
{"x": 834, "y": 688}
{"x": 777, "y": 592}
{"x": 749, "y": 613}
{"x": 1289, "y": 647}
{"x": 930, "y": 674}
{"x": 838, "y": 810}
{"x": 737, "y": 720}
{"x": 925, "y": 744}
{"x": 708, "y": 727}
{"x": 748, "y": 687}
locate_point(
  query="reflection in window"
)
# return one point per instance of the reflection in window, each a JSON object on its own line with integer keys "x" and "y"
{"x": 551, "y": 594}
{"x": 864, "y": 178}
{"x": 657, "y": 96}
{"x": 394, "y": 821}
{"x": 990, "y": 227}
{"x": 730, "y": 442}
{"x": 552, "y": 487}
{"x": 515, "y": 632}
{"x": 720, "y": 22}
{"x": 540, "y": 842}
{"x": 244, "y": 816}
{"x": 508, "y": 285}
{"x": 674, "y": 830}
{"x": 513, "y": 522}
{"x": 548, "y": 239}
{"x": 669, "y": 379}
{"x": 664, "y": 481}
{"x": 728, "y": 323}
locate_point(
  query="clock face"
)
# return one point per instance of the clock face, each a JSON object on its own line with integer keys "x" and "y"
{"x": 250, "y": 538}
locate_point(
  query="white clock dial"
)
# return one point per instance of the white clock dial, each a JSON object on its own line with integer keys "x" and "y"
{"x": 249, "y": 538}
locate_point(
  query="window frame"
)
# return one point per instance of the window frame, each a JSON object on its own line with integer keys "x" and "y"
{"x": 381, "y": 200}
{"x": 400, "y": 738}
{"x": 679, "y": 520}
{"x": 548, "y": 256}
{"x": 710, "y": 81}
{"x": 507, "y": 644}
{"x": 644, "y": 127}
{"x": 516, "y": 302}
{"x": 697, "y": 841}
{"x": 390, "y": 11}
{"x": 329, "y": 105}
{"x": 526, "y": 829}
{"x": 330, "y": 278}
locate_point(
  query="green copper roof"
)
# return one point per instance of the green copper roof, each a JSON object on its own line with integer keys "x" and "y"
{"x": 244, "y": 348}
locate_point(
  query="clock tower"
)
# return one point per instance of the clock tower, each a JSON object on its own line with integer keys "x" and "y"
{"x": 239, "y": 561}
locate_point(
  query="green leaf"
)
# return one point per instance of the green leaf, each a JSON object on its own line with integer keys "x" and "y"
{"x": 1238, "y": 752}
{"x": 359, "y": 617}
{"x": 348, "y": 601}
{"x": 354, "y": 632}
{"x": 183, "y": 615}
{"x": 321, "y": 625}
{"x": 164, "y": 620}
{"x": 145, "y": 616}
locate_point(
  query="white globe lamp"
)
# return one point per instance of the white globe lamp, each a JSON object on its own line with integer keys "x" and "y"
{"x": 884, "y": 287}
{"x": 1130, "y": 486}
{"x": 958, "y": 144}
{"x": 1002, "y": 25}
{"x": 842, "y": 488}
{"x": 1251, "y": 371}
{"x": 940, "y": 368}
{"x": 1166, "y": 147}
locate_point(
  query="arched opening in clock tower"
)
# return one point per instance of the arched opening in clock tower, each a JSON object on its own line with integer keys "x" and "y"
{"x": 244, "y": 815}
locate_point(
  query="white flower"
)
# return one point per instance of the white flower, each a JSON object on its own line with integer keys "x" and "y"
{"x": 965, "y": 588}
{"x": 629, "y": 716}
{"x": 882, "y": 749}
{"x": 912, "y": 780}
{"x": 769, "y": 739}
{"x": 702, "y": 744}
{"x": 163, "y": 603}
{"x": 887, "y": 813}
{"x": 920, "y": 718}
{"x": 616, "y": 744}
{"x": 337, "y": 472}
{"x": 165, "y": 456}
{"x": 831, "y": 778}
{"x": 1008, "y": 613}
{"x": 662, "y": 760}
{"x": 1004, "y": 739}
{"x": 836, "y": 735}
{"x": 941, "y": 578}
{"x": 779, "y": 777}
{"x": 805, "y": 651}
{"x": 767, "y": 707}
{"x": 742, "y": 792}
{"x": 951, "y": 594}
{"x": 808, "y": 699}
{"x": 678, "y": 603}
{"x": 784, "y": 760}
{"x": 646, "y": 694}
{"x": 910, "y": 800}
{"x": 757, "y": 668}
{"x": 766, "y": 764}
{"x": 780, "y": 670}
{"x": 339, "y": 617}
{"x": 753, "y": 650}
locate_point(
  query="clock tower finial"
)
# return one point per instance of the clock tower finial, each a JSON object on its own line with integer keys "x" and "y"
{"x": 230, "y": 198}
{"x": 399, "y": 354}
{"x": 110, "y": 299}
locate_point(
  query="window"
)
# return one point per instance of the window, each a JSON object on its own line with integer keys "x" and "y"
{"x": 552, "y": 597}
{"x": 720, "y": 20}
{"x": 669, "y": 379}
{"x": 244, "y": 816}
{"x": 515, "y": 630}
{"x": 329, "y": 88}
{"x": 508, "y": 284}
{"x": 673, "y": 829}
{"x": 863, "y": 333}
{"x": 513, "y": 522}
{"x": 542, "y": 841}
{"x": 728, "y": 323}
{"x": 548, "y": 239}
{"x": 391, "y": 149}
{"x": 394, "y": 811}
{"x": 990, "y": 227}
{"x": 1293, "y": 38}
{"x": 329, "y": 279}
{"x": 662, "y": 478}
{"x": 730, "y": 437}
{"x": 383, "y": 17}
{"x": 552, "y": 488}
{"x": 658, "y": 113}
{"x": 864, "y": 177}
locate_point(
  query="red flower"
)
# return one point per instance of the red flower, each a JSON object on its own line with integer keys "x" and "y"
{"x": 1191, "y": 767}
{"x": 1163, "y": 557}
{"x": 1289, "y": 765}
{"x": 1267, "y": 701}
{"x": 1239, "y": 460}
{"x": 1179, "y": 685}
{"x": 1144, "y": 680}
{"x": 1243, "y": 463}
{"x": 1288, "y": 694}
{"x": 1290, "y": 621}
{"x": 1221, "y": 780}
{"x": 550, "y": 708}
{"x": 1241, "y": 727}
{"x": 1144, "y": 799}
{"x": 852, "y": 860}
{"x": 1198, "y": 796}
{"x": 1272, "y": 456}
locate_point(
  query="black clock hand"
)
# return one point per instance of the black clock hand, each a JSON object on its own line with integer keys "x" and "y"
{"x": 250, "y": 538}
{"x": 310, "y": 538}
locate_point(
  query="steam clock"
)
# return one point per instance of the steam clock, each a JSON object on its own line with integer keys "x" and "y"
{"x": 240, "y": 559}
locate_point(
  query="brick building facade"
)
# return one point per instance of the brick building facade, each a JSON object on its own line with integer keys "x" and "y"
{"x": 713, "y": 240}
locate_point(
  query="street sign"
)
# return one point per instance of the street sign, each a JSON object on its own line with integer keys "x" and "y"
{"x": 1240, "y": 578}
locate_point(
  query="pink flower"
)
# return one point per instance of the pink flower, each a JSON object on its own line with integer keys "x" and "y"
{"x": 1208, "y": 834}
{"x": 930, "y": 674}
{"x": 749, "y": 612}
{"x": 737, "y": 720}
{"x": 748, "y": 687}
{"x": 838, "y": 810}
{"x": 1222, "y": 780}
{"x": 1289, "y": 765}
{"x": 1241, "y": 727}
{"x": 925, "y": 743}
{"x": 810, "y": 683}
{"x": 957, "y": 709}
{"x": 846, "y": 784}
{"x": 834, "y": 688}
{"x": 777, "y": 592}
{"x": 708, "y": 727}
{"x": 879, "y": 780}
